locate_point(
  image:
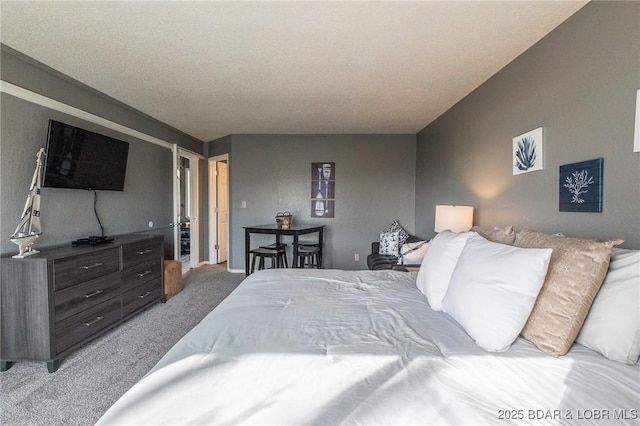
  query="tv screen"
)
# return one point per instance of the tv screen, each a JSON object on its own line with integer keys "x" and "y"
{"x": 80, "y": 159}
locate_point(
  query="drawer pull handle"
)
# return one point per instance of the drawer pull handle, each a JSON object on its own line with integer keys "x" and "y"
{"x": 95, "y": 293}
{"x": 142, "y": 274}
{"x": 143, "y": 252}
{"x": 142, "y": 296}
{"x": 95, "y": 265}
{"x": 93, "y": 321}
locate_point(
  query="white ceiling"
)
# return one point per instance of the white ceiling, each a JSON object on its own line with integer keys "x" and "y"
{"x": 211, "y": 68}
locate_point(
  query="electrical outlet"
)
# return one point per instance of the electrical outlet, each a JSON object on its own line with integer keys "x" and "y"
{"x": 150, "y": 224}
{"x": 244, "y": 204}
{"x": 356, "y": 257}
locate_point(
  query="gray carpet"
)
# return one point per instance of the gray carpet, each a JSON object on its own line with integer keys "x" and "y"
{"x": 93, "y": 377}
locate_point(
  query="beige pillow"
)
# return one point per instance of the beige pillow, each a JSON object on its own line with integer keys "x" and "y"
{"x": 576, "y": 271}
{"x": 498, "y": 235}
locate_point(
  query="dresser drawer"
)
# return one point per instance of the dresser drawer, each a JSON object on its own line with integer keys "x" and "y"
{"x": 144, "y": 251}
{"x": 140, "y": 296}
{"x": 77, "y": 298}
{"x": 73, "y": 270}
{"x": 140, "y": 274}
{"x": 85, "y": 324}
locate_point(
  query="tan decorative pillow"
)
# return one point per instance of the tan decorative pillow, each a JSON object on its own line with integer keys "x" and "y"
{"x": 500, "y": 235}
{"x": 576, "y": 271}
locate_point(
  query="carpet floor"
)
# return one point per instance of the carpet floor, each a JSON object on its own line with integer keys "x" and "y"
{"x": 94, "y": 376}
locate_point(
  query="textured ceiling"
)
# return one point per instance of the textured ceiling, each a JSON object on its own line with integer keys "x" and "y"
{"x": 211, "y": 69}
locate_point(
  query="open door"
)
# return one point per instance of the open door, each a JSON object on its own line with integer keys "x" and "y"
{"x": 185, "y": 208}
{"x": 223, "y": 215}
{"x": 219, "y": 214}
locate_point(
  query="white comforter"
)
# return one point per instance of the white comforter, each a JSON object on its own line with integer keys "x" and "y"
{"x": 332, "y": 347}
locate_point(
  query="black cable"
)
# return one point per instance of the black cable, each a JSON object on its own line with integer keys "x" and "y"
{"x": 95, "y": 210}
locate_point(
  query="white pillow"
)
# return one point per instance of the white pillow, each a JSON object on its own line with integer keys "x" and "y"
{"x": 413, "y": 253}
{"x": 612, "y": 326}
{"x": 438, "y": 265}
{"x": 493, "y": 289}
{"x": 389, "y": 243}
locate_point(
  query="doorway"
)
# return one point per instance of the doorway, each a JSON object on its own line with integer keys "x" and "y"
{"x": 219, "y": 209}
{"x": 186, "y": 202}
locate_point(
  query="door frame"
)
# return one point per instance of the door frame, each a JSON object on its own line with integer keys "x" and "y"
{"x": 213, "y": 206}
{"x": 194, "y": 199}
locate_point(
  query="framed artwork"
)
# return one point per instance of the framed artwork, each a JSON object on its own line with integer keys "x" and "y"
{"x": 323, "y": 189}
{"x": 527, "y": 152}
{"x": 581, "y": 186}
{"x": 636, "y": 135}
{"x": 323, "y": 208}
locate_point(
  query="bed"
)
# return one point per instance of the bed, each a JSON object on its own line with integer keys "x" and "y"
{"x": 327, "y": 347}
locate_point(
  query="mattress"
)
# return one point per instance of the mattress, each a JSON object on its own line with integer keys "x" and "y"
{"x": 327, "y": 347}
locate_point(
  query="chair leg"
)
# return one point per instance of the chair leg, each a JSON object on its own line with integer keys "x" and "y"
{"x": 253, "y": 264}
{"x": 261, "y": 264}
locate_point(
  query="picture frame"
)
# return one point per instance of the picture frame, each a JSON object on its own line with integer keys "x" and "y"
{"x": 581, "y": 186}
{"x": 528, "y": 152}
{"x": 323, "y": 192}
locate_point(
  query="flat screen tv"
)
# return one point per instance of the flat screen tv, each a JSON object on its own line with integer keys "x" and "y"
{"x": 80, "y": 159}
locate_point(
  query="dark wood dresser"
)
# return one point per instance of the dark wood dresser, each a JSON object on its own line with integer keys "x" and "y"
{"x": 63, "y": 297}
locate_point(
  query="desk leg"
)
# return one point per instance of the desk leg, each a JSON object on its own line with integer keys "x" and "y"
{"x": 320, "y": 246}
{"x": 295, "y": 251}
{"x": 247, "y": 238}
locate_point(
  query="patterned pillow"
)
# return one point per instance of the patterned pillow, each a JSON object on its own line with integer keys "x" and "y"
{"x": 497, "y": 235}
{"x": 389, "y": 243}
{"x": 403, "y": 235}
{"x": 576, "y": 271}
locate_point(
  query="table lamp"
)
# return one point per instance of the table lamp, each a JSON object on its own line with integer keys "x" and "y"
{"x": 453, "y": 218}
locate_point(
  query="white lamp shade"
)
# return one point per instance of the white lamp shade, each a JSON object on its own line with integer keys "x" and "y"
{"x": 454, "y": 218}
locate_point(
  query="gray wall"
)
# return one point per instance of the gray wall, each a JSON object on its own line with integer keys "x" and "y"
{"x": 219, "y": 146}
{"x": 579, "y": 83}
{"x": 68, "y": 214}
{"x": 375, "y": 177}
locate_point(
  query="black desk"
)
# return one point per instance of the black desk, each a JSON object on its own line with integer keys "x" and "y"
{"x": 294, "y": 230}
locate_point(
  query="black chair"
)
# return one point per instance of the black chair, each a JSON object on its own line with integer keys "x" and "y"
{"x": 261, "y": 254}
{"x": 308, "y": 257}
{"x": 311, "y": 244}
{"x": 281, "y": 248}
{"x": 377, "y": 261}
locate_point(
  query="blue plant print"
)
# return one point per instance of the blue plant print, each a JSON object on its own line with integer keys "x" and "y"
{"x": 526, "y": 153}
